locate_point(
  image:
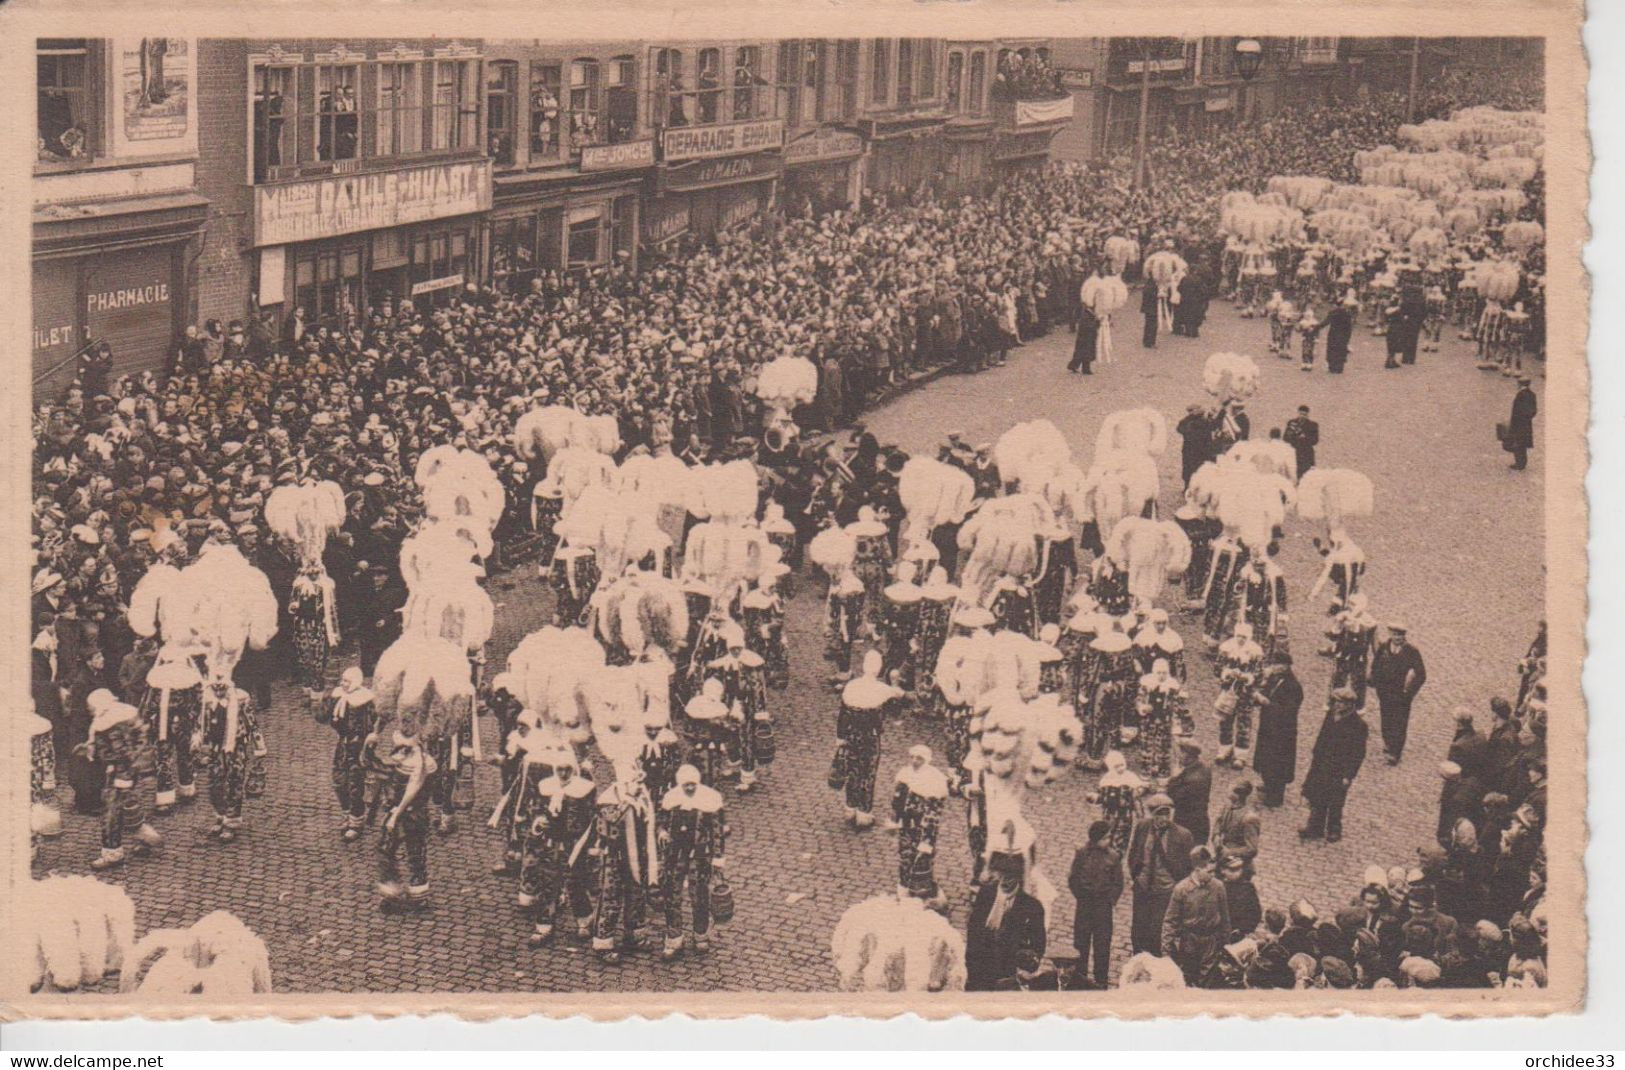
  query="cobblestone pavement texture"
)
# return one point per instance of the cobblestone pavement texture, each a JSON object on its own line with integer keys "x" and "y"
{"x": 1455, "y": 552}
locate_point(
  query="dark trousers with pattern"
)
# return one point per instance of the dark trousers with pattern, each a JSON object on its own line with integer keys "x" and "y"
{"x": 693, "y": 872}
{"x": 173, "y": 766}
{"x": 958, "y": 744}
{"x": 1156, "y": 743}
{"x": 442, "y": 786}
{"x": 1236, "y": 730}
{"x": 310, "y": 646}
{"x": 228, "y": 777}
{"x": 547, "y": 878}
{"x": 350, "y": 779}
{"x": 409, "y": 837}
{"x": 863, "y": 764}
{"x": 620, "y": 903}
{"x": 916, "y": 871}
{"x": 123, "y": 812}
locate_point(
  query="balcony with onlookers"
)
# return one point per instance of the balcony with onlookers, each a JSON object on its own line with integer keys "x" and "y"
{"x": 1027, "y": 91}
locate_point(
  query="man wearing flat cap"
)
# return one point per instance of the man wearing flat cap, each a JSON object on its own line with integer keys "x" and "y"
{"x": 1397, "y": 674}
{"x": 1339, "y": 752}
{"x": 1159, "y": 857}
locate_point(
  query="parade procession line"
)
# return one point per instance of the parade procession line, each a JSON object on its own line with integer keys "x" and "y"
{"x": 1455, "y": 550}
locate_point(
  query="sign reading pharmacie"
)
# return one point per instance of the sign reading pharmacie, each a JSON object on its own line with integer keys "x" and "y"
{"x": 704, "y": 174}
{"x": 825, "y": 143}
{"x": 623, "y": 157}
{"x": 324, "y": 207}
{"x": 732, "y": 139}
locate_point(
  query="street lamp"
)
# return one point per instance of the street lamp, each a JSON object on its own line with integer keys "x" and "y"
{"x": 1249, "y": 57}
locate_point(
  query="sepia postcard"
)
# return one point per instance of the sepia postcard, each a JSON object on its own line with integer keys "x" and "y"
{"x": 976, "y": 508}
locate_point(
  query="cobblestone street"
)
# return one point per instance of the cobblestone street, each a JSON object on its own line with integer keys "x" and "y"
{"x": 1454, "y": 551}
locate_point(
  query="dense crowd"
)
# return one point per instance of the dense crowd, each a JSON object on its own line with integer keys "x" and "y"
{"x": 134, "y": 472}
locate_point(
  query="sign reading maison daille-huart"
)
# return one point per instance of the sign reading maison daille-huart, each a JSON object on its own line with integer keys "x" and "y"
{"x": 303, "y": 211}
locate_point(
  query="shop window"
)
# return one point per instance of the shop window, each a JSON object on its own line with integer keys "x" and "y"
{"x": 905, "y": 72}
{"x": 956, "y": 78}
{"x": 928, "y": 69}
{"x": 708, "y": 80}
{"x": 399, "y": 127}
{"x": 747, "y": 73}
{"x": 812, "y": 75}
{"x": 389, "y": 249}
{"x": 621, "y": 101}
{"x": 338, "y": 122}
{"x": 880, "y": 84}
{"x": 671, "y": 104}
{"x": 273, "y": 101}
{"x": 585, "y": 128}
{"x": 501, "y": 79}
{"x": 513, "y": 247}
{"x": 624, "y": 225}
{"x": 69, "y": 123}
{"x": 586, "y": 236}
{"x": 977, "y": 92}
{"x": 545, "y": 111}
{"x": 455, "y": 119}
{"x": 327, "y": 283}
{"x": 846, "y": 76}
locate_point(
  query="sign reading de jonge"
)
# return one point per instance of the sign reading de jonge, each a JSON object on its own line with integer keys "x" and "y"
{"x": 694, "y": 143}
{"x": 302, "y": 211}
{"x": 618, "y": 157}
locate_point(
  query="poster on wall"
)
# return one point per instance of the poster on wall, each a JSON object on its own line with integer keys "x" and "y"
{"x": 156, "y": 88}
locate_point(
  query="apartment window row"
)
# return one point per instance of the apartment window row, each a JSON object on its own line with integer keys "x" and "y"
{"x": 311, "y": 114}
{"x": 1218, "y": 57}
{"x": 906, "y": 65}
{"x": 817, "y": 81}
{"x": 698, "y": 87}
{"x": 70, "y": 121}
{"x": 572, "y": 104}
{"x": 1316, "y": 49}
{"x": 966, "y": 83}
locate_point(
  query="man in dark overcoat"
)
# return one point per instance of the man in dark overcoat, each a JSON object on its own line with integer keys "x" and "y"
{"x": 1335, "y": 762}
{"x": 1275, "y": 754}
{"x": 1521, "y": 426}
{"x": 1005, "y": 937}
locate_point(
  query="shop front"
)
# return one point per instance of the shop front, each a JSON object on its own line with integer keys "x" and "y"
{"x": 1022, "y": 150}
{"x": 113, "y": 272}
{"x": 339, "y": 246}
{"x": 712, "y": 179}
{"x": 821, "y": 170}
{"x": 905, "y": 153}
{"x": 710, "y": 197}
{"x": 567, "y": 218}
{"x": 967, "y": 158}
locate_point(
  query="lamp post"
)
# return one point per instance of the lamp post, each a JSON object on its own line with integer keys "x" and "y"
{"x": 1146, "y": 47}
{"x": 1249, "y": 57}
{"x": 1416, "y": 65}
